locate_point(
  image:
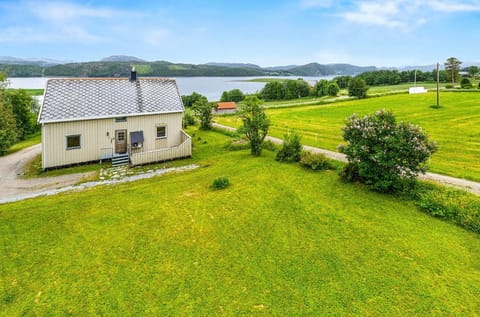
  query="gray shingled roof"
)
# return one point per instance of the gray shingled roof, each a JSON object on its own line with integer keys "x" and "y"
{"x": 70, "y": 99}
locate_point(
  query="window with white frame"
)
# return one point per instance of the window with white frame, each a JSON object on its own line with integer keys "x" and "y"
{"x": 161, "y": 131}
{"x": 73, "y": 142}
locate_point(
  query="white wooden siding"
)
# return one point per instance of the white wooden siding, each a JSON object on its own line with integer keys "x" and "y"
{"x": 94, "y": 137}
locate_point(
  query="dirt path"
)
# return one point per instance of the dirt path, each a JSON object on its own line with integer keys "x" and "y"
{"x": 464, "y": 184}
{"x": 11, "y": 167}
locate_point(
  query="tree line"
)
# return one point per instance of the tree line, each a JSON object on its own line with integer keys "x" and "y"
{"x": 18, "y": 115}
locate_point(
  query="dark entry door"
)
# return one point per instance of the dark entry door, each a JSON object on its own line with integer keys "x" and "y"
{"x": 120, "y": 141}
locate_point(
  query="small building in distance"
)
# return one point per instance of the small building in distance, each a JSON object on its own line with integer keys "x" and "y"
{"x": 130, "y": 120}
{"x": 226, "y": 107}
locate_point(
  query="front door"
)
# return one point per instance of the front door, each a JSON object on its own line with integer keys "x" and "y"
{"x": 120, "y": 141}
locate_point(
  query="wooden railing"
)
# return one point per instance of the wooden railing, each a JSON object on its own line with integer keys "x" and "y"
{"x": 182, "y": 150}
{"x": 106, "y": 153}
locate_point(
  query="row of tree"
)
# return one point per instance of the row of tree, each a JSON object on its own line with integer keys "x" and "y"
{"x": 18, "y": 115}
{"x": 285, "y": 90}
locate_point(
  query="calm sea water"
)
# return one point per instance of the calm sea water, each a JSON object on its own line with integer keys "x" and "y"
{"x": 211, "y": 87}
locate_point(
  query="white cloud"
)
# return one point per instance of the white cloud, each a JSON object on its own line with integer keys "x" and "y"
{"x": 376, "y": 13}
{"x": 404, "y": 15}
{"x": 454, "y": 6}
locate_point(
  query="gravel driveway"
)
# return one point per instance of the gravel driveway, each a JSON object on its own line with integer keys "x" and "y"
{"x": 12, "y": 185}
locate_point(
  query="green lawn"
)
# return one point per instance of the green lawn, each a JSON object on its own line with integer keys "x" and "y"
{"x": 455, "y": 127}
{"x": 280, "y": 241}
{"x": 34, "y": 92}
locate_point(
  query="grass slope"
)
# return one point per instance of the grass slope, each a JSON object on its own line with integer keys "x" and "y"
{"x": 279, "y": 241}
{"x": 455, "y": 127}
{"x": 28, "y": 142}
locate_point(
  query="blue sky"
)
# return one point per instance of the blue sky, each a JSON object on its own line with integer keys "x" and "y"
{"x": 267, "y": 33}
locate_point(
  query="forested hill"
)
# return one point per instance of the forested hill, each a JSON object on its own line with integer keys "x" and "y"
{"x": 167, "y": 69}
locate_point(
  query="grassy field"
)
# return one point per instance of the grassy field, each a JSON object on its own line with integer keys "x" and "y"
{"x": 34, "y": 92}
{"x": 403, "y": 87}
{"x": 455, "y": 127}
{"x": 279, "y": 241}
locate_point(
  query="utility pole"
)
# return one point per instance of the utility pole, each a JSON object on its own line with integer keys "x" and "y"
{"x": 438, "y": 89}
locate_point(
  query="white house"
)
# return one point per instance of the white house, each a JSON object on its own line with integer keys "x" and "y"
{"x": 137, "y": 120}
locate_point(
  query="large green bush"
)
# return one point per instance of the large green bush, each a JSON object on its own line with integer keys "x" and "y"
{"x": 465, "y": 83}
{"x": 291, "y": 148}
{"x": 383, "y": 154}
{"x": 357, "y": 88}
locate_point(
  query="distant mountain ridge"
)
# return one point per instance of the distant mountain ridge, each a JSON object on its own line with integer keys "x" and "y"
{"x": 233, "y": 65}
{"x": 30, "y": 61}
{"x": 122, "y": 58}
{"x": 120, "y": 66}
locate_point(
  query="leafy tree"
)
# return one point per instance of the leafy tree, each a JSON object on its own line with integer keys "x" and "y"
{"x": 473, "y": 71}
{"x": 452, "y": 66}
{"x": 255, "y": 123}
{"x": 203, "y": 110}
{"x": 320, "y": 88}
{"x": 465, "y": 83}
{"x": 8, "y": 125}
{"x": 273, "y": 91}
{"x": 333, "y": 89}
{"x": 383, "y": 154}
{"x": 224, "y": 96}
{"x": 189, "y": 100}
{"x": 232, "y": 95}
{"x": 357, "y": 88}
{"x": 342, "y": 81}
{"x": 235, "y": 95}
{"x": 23, "y": 108}
{"x": 290, "y": 87}
{"x": 303, "y": 88}
{"x": 291, "y": 149}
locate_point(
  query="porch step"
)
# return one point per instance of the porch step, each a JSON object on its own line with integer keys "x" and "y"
{"x": 120, "y": 159}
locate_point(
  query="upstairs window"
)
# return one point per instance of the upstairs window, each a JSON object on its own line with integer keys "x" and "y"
{"x": 73, "y": 142}
{"x": 121, "y": 119}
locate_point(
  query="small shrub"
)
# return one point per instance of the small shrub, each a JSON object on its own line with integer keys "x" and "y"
{"x": 291, "y": 149}
{"x": 449, "y": 86}
{"x": 220, "y": 183}
{"x": 188, "y": 119}
{"x": 315, "y": 161}
{"x": 478, "y": 85}
{"x": 465, "y": 83}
